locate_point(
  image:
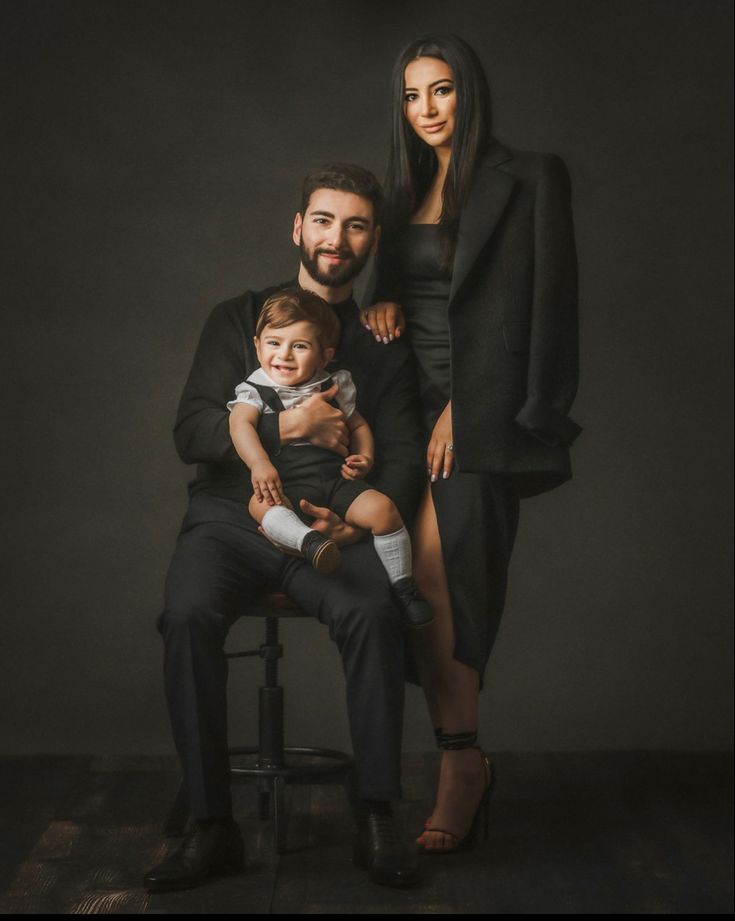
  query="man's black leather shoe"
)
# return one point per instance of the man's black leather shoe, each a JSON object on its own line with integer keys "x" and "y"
{"x": 381, "y": 851}
{"x": 208, "y": 850}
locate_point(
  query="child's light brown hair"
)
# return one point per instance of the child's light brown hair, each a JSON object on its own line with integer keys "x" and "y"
{"x": 291, "y": 305}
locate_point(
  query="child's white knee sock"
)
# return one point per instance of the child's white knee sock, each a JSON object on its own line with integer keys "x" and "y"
{"x": 285, "y": 527}
{"x": 394, "y": 551}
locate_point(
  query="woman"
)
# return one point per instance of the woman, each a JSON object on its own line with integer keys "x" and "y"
{"x": 478, "y": 249}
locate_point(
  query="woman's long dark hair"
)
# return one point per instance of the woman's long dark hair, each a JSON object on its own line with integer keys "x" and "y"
{"x": 412, "y": 163}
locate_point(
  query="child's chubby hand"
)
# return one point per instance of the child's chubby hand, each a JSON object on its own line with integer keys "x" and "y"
{"x": 267, "y": 484}
{"x": 356, "y": 466}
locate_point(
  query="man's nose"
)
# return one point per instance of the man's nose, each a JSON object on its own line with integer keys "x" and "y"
{"x": 336, "y": 234}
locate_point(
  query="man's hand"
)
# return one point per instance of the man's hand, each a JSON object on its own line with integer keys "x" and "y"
{"x": 356, "y": 466}
{"x": 267, "y": 485}
{"x": 330, "y": 524}
{"x": 385, "y": 320}
{"x": 318, "y": 422}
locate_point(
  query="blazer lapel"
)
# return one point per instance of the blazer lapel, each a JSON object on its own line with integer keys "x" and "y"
{"x": 490, "y": 194}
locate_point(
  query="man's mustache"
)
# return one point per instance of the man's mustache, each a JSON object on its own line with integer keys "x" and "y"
{"x": 342, "y": 253}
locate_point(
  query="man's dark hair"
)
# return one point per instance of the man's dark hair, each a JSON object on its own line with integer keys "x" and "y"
{"x": 344, "y": 177}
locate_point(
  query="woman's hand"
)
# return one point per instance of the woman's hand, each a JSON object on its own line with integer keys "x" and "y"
{"x": 385, "y": 320}
{"x": 331, "y": 525}
{"x": 267, "y": 484}
{"x": 440, "y": 453}
{"x": 357, "y": 466}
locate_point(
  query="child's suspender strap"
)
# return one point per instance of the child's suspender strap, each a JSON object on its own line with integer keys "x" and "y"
{"x": 271, "y": 399}
{"x": 269, "y": 396}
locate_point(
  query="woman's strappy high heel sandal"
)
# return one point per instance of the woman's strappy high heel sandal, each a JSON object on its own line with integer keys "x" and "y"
{"x": 481, "y": 820}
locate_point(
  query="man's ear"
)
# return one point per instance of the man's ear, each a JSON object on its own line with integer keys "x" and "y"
{"x": 297, "y": 222}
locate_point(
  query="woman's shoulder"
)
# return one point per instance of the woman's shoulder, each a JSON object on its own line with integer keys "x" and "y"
{"x": 523, "y": 164}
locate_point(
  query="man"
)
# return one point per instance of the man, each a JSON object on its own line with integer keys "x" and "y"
{"x": 221, "y": 560}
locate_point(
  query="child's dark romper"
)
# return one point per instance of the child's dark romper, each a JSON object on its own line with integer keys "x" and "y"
{"x": 311, "y": 473}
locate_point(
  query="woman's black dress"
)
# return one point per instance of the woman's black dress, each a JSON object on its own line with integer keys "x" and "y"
{"x": 477, "y": 513}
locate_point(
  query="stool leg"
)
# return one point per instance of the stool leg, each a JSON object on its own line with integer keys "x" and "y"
{"x": 279, "y": 815}
{"x": 270, "y": 734}
{"x": 264, "y": 804}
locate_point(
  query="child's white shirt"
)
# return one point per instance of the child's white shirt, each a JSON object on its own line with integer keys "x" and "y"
{"x": 346, "y": 397}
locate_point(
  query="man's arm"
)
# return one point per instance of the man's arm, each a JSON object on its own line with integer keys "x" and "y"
{"x": 201, "y": 432}
{"x": 315, "y": 420}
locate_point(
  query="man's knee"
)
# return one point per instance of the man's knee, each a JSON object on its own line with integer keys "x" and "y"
{"x": 192, "y": 617}
{"x": 365, "y": 616}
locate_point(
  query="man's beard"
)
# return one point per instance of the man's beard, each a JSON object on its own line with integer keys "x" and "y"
{"x": 334, "y": 276}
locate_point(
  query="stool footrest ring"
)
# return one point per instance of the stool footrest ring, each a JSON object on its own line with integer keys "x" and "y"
{"x": 331, "y": 764}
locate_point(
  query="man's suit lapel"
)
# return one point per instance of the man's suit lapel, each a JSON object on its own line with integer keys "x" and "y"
{"x": 490, "y": 194}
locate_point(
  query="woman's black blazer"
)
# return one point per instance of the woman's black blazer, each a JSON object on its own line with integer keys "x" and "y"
{"x": 512, "y": 320}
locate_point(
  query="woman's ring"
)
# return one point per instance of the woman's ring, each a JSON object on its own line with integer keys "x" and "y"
{"x": 450, "y": 446}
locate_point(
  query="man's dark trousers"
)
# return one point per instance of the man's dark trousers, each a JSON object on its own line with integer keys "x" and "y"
{"x": 219, "y": 566}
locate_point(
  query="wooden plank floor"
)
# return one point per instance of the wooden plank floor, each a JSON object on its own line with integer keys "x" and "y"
{"x": 570, "y": 833}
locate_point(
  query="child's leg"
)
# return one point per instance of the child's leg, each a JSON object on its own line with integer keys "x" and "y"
{"x": 374, "y": 511}
{"x": 258, "y": 509}
{"x": 284, "y": 527}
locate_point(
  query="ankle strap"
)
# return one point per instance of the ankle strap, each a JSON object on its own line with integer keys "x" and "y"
{"x": 456, "y": 741}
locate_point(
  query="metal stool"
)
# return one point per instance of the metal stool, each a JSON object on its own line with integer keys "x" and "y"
{"x": 271, "y": 765}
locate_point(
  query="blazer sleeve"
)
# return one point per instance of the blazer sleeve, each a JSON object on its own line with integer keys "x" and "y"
{"x": 553, "y": 349}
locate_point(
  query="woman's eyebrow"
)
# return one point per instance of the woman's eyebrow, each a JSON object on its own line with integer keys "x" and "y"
{"x": 443, "y": 80}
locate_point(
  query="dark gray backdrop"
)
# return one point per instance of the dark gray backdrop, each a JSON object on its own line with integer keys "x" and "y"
{"x": 154, "y": 154}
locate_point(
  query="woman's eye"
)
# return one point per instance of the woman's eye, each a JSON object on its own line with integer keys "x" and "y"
{"x": 410, "y": 97}
{"x": 443, "y": 90}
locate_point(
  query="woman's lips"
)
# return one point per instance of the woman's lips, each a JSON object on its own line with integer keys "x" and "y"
{"x": 432, "y": 129}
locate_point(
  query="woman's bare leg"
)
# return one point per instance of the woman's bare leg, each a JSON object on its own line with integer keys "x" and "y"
{"x": 451, "y": 689}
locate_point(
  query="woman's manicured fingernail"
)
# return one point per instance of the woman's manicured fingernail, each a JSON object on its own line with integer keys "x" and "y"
{"x": 433, "y": 478}
{"x": 377, "y": 338}
{"x": 390, "y": 338}
{"x": 445, "y": 475}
